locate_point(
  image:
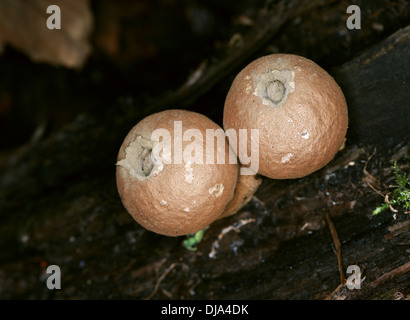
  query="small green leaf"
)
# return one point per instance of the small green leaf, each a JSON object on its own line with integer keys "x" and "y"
{"x": 400, "y": 195}
{"x": 192, "y": 241}
{"x": 380, "y": 208}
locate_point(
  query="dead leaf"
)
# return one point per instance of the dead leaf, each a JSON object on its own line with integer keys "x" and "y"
{"x": 23, "y": 25}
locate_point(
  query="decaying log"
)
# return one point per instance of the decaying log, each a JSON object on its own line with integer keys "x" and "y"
{"x": 377, "y": 96}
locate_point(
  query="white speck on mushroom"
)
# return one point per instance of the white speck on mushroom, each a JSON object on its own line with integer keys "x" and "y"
{"x": 216, "y": 190}
{"x": 287, "y": 157}
{"x": 304, "y": 134}
{"x": 186, "y": 209}
{"x": 248, "y": 89}
{"x": 189, "y": 176}
{"x": 163, "y": 203}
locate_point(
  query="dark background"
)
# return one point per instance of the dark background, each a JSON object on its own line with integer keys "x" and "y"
{"x": 148, "y": 48}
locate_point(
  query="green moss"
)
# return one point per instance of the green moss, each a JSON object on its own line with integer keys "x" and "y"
{"x": 400, "y": 195}
{"x": 192, "y": 241}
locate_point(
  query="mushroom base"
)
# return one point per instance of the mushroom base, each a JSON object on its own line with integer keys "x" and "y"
{"x": 246, "y": 187}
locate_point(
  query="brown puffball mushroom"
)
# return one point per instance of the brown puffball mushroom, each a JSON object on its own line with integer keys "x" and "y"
{"x": 168, "y": 190}
{"x": 246, "y": 187}
{"x": 299, "y": 109}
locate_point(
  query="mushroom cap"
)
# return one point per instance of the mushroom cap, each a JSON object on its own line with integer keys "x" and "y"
{"x": 299, "y": 109}
{"x": 177, "y": 195}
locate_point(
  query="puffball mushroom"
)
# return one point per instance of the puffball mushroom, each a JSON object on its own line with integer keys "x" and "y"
{"x": 246, "y": 187}
{"x": 176, "y": 185}
{"x": 298, "y": 108}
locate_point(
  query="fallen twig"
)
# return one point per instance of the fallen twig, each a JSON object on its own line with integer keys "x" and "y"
{"x": 159, "y": 280}
{"x": 337, "y": 247}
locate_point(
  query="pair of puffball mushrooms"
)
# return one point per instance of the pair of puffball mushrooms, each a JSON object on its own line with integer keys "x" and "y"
{"x": 301, "y": 114}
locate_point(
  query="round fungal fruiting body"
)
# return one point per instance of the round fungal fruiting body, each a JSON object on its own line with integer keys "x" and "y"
{"x": 161, "y": 180}
{"x": 299, "y": 109}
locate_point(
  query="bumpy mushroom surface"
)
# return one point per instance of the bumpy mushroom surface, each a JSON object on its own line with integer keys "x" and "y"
{"x": 299, "y": 109}
{"x": 168, "y": 190}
